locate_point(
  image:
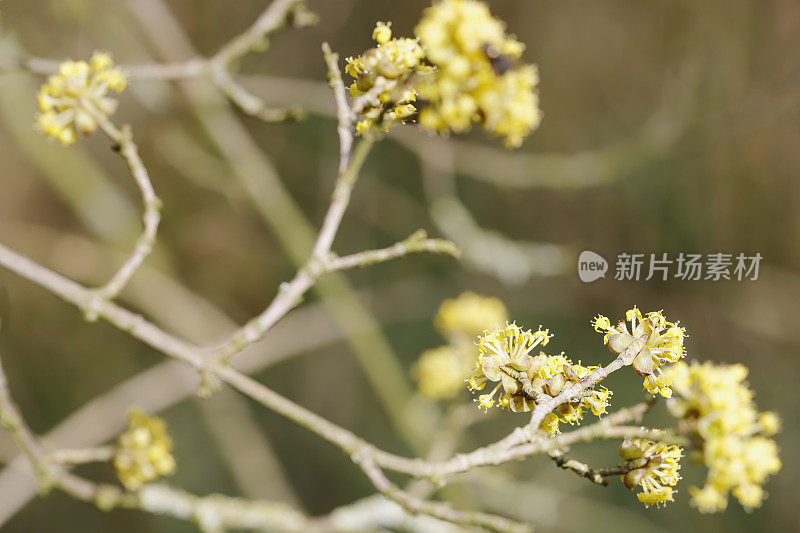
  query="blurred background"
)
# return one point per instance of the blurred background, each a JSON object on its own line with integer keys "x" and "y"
{"x": 669, "y": 126}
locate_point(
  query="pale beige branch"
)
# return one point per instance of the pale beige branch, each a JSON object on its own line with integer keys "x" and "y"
{"x": 271, "y": 19}
{"x": 595, "y": 475}
{"x": 251, "y": 104}
{"x": 152, "y": 209}
{"x": 79, "y": 456}
{"x": 416, "y": 243}
{"x": 443, "y": 511}
{"x": 221, "y": 513}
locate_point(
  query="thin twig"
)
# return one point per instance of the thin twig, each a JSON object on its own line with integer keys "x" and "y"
{"x": 439, "y": 510}
{"x": 417, "y": 242}
{"x": 152, "y": 209}
{"x": 12, "y": 420}
{"x": 222, "y": 513}
{"x": 582, "y": 469}
{"x": 595, "y": 475}
{"x": 80, "y": 456}
{"x": 251, "y": 104}
{"x": 271, "y": 19}
{"x": 344, "y": 114}
{"x": 341, "y": 197}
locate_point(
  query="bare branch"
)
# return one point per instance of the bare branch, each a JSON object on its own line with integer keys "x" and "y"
{"x": 595, "y": 475}
{"x": 12, "y": 420}
{"x": 415, "y": 243}
{"x": 344, "y": 114}
{"x": 251, "y": 104}
{"x": 439, "y": 510}
{"x": 221, "y": 513}
{"x": 271, "y": 19}
{"x": 81, "y": 456}
{"x": 152, "y": 210}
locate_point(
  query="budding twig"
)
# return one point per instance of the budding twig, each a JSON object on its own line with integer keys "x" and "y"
{"x": 595, "y": 475}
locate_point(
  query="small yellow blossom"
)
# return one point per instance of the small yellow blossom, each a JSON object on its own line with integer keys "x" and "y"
{"x": 715, "y": 402}
{"x": 654, "y": 467}
{"x": 505, "y": 358}
{"x": 72, "y": 101}
{"x": 770, "y": 423}
{"x": 479, "y": 77}
{"x": 550, "y": 423}
{"x": 469, "y": 315}
{"x": 384, "y": 76}
{"x": 708, "y": 499}
{"x": 143, "y": 451}
{"x": 440, "y": 372}
{"x": 650, "y": 342}
{"x": 382, "y": 32}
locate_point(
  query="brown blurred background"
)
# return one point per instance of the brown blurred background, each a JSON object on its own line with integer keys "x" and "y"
{"x": 669, "y": 126}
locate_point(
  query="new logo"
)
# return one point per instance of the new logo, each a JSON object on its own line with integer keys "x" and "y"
{"x": 591, "y": 266}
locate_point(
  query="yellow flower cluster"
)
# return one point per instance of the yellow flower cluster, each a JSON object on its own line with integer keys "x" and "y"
{"x": 479, "y": 77}
{"x": 469, "y": 315}
{"x": 650, "y": 342}
{"x": 653, "y": 466}
{"x": 72, "y": 101}
{"x": 143, "y": 451}
{"x": 505, "y": 358}
{"x": 383, "y": 77}
{"x": 717, "y": 404}
{"x": 441, "y": 372}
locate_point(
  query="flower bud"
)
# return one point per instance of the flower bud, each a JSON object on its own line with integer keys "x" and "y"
{"x": 510, "y": 385}
{"x": 632, "y": 478}
{"x": 629, "y": 451}
{"x": 618, "y": 342}
{"x": 570, "y": 374}
{"x": 643, "y": 364}
{"x": 538, "y": 384}
{"x": 520, "y": 403}
{"x": 491, "y": 368}
{"x": 523, "y": 364}
{"x": 556, "y": 384}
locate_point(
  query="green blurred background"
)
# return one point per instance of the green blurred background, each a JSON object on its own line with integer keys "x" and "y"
{"x": 669, "y": 126}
